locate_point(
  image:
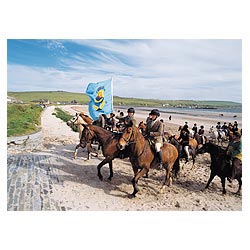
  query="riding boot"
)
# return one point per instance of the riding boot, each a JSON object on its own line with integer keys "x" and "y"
{"x": 187, "y": 154}
{"x": 159, "y": 155}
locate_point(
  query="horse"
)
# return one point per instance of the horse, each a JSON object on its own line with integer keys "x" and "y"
{"x": 220, "y": 166}
{"x": 78, "y": 120}
{"x": 200, "y": 140}
{"x": 142, "y": 156}
{"x": 177, "y": 144}
{"x": 216, "y": 136}
{"x": 108, "y": 140}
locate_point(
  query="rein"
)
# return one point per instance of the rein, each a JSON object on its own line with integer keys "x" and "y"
{"x": 128, "y": 142}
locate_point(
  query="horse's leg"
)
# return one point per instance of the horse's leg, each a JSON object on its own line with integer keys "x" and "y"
{"x": 240, "y": 184}
{"x": 168, "y": 177}
{"x": 76, "y": 149}
{"x": 193, "y": 158}
{"x": 212, "y": 175}
{"x": 223, "y": 182}
{"x": 135, "y": 181}
{"x": 105, "y": 161}
{"x": 110, "y": 170}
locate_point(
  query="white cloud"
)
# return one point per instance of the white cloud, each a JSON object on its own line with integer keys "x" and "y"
{"x": 165, "y": 69}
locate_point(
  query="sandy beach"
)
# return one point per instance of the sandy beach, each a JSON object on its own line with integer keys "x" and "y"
{"x": 79, "y": 188}
{"x": 82, "y": 190}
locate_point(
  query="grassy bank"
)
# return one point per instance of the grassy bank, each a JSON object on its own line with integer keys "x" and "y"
{"x": 64, "y": 116}
{"x": 23, "y": 119}
{"x": 81, "y": 98}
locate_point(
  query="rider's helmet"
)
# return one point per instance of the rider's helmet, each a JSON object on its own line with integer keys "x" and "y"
{"x": 131, "y": 110}
{"x": 155, "y": 112}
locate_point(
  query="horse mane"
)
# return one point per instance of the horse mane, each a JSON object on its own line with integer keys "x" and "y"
{"x": 86, "y": 118}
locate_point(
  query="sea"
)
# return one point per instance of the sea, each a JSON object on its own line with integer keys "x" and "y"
{"x": 229, "y": 114}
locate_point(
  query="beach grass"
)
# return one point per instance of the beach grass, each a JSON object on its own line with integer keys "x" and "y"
{"x": 23, "y": 119}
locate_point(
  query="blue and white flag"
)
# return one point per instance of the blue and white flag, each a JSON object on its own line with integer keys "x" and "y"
{"x": 101, "y": 98}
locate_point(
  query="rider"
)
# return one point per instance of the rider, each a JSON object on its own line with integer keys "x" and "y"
{"x": 128, "y": 117}
{"x": 234, "y": 152}
{"x": 218, "y": 127}
{"x": 195, "y": 129}
{"x": 224, "y": 128}
{"x": 154, "y": 129}
{"x": 184, "y": 140}
{"x": 201, "y": 133}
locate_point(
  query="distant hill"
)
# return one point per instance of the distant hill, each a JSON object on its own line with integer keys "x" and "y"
{"x": 81, "y": 98}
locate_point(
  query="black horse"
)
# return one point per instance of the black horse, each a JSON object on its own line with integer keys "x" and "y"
{"x": 220, "y": 166}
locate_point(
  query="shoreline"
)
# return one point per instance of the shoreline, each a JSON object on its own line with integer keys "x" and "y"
{"x": 205, "y": 118}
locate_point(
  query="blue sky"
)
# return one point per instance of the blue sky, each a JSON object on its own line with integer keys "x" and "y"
{"x": 159, "y": 69}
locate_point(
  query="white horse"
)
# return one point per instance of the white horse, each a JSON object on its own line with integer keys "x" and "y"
{"x": 217, "y": 136}
{"x": 78, "y": 120}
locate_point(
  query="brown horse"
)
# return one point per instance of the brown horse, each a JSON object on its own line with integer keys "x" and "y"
{"x": 142, "y": 157}
{"x": 108, "y": 140}
{"x": 201, "y": 140}
{"x": 79, "y": 120}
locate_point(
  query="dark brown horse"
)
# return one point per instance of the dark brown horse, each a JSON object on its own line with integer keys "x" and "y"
{"x": 108, "y": 141}
{"x": 142, "y": 157}
{"x": 221, "y": 166}
{"x": 200, "y": 140}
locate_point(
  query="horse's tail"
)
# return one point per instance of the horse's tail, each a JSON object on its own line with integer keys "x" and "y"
{"x": 176, "y": 167}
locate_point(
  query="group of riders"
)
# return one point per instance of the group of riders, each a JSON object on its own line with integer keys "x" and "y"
{"x": 155, "y": 130}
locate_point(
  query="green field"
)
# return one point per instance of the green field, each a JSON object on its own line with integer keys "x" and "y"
{"x": 23, "y": 119}
{"x": 66, "y": 97}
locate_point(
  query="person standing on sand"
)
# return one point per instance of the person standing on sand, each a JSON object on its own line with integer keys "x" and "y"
{"x": 154, "y": 130}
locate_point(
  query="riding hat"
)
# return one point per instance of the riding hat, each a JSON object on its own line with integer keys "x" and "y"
{"x": 155, "y": 112}
{"x": 131, "y": 110}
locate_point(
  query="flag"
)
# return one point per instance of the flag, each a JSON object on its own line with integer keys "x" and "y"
{"x": 101, "y": 98}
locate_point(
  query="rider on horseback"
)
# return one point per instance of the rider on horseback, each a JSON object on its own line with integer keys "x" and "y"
{"x": 123, "y": 120}
{"x": 154, "y": 129}
{"x": 234, "y": 152}
{"x": 201, "y": 133}
{"x": 184, "y": 140}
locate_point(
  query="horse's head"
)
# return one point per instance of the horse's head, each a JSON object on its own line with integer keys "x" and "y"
{"x": 75, "y": 120}
{"x": 126, "y": 138}
{"x": 208, "y": 147}
{"x": 87, "y": 134}
{"x": 142, "y": 126}
{"x": 86, "y": 118}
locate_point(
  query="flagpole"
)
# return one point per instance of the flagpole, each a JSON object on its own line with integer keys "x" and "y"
{"x": 112, "y": 92}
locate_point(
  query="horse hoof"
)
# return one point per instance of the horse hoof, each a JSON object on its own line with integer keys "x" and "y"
{"x": 130, "y": 196}
{"x": 100, "y": 177}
